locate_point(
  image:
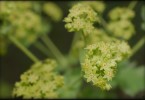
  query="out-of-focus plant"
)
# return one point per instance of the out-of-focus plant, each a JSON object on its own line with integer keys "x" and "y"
{"x": 24, "y": 22}
{"x": 53, "y": 11}
{"x": 40, "y": 81}
{"x": 99, "y": 53}
{"x": 19, "y": 21}
{"x": 120, "y": 17}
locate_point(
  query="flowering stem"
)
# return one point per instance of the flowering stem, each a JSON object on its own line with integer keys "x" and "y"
{"x": 73, "y": 83}
{"x": 85, "y": 39}
{"x": 103, "y": 22}
{"x": 75, "y": 38}
{"x": 132, "y": 4}
{"x": 61, "y": 59}
{"x": 23, "y": 48}
{"x": 42, "y": 48}
{"x": 137, "y": 46}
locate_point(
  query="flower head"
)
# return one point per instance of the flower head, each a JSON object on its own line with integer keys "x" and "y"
{"x": 81, "y": 18}
{"x": 100, "y": 61}
{"x": 121, "y": 28}
{"x": 19, "y": 20}
{"x": 40, "y": 81}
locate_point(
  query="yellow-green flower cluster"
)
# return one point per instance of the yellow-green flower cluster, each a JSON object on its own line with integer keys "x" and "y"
{"x": 123, "y": 28}
{"x": 52, "y": 10}
{"x": 120, "y": 22}
{"x": 81, "y": 18}
{"x": 121, "y": 13}
{"x": 100, "y": 61}
{"x": 19, "y": 20}
{"x": 40, "y": 81}
{"x": 8, "y": 8}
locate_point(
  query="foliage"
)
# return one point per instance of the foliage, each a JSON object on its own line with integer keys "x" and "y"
{"x": 134, "y": 82}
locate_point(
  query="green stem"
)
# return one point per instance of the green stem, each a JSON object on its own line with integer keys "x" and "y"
{"x": 24, "y": 49}
{"x": 85, "y": 39}
{"x": 132, "y": 4}
{"x": 104, "y": 24}
{"x": 42, "y": 48}
{"x": 75, "y": 38}
{"x": 73, "y": 83}
{"x": 61, "y": 59}
{"x": 137, "y": 46}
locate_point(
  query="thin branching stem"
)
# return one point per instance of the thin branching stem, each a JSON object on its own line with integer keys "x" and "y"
{"x": 42, "y": 48}
{"x": 75, "y": 38}
{"x": 55, "y": 51}
{"x": 137, "y": 46}
{"x": 132, "y": 4}
{"x": 23, "y": 48}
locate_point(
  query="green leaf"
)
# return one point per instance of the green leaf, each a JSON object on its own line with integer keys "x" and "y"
{"x": 131, "y": 78}
{"x": 72, "y": 83}
{"x": 91, "y": 92}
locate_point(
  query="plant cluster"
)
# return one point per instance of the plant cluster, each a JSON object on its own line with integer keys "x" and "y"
{"x": 97, "y": 49}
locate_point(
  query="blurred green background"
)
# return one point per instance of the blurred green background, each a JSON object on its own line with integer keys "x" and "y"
{"x": 14, "y": 63}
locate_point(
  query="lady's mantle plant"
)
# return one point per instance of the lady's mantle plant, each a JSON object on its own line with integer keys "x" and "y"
{"x": 98, "y": 46}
